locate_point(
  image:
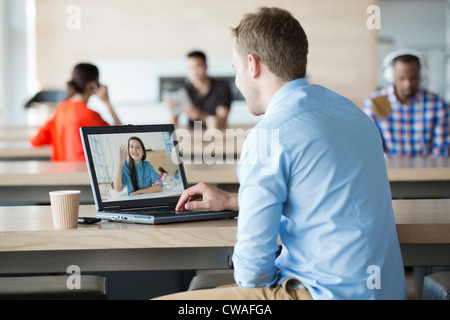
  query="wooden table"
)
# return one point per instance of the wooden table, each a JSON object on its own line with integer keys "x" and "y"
{"x": 195, "y": 151}
{"x": 423, "y": 228}
{"x": 28, "y": 242}
{"x": 28, "y": 182}
{"x": 14, "y": 144}
{"x": 419, "y": 177}
{"x": 41, "y": 173}
{"x": 21, "y": 150}
{"x": 17, "y": 133}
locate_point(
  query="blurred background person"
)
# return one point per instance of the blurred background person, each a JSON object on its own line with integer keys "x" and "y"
{"x": 210, "y": 99}
{"x": 61, "y": 131}
{"x": 412, "y": 121}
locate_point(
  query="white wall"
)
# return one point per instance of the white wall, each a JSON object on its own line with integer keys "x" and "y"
{"x": 18, "y": 58}
{"x": 166, "y": 29}
{"x": 4, "y": 57}
{"x": 115, "y": 31}
{"x": 420, "y": 25}
{"x": 133, "y": 86}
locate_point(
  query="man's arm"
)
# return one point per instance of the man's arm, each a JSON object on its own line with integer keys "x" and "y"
{"x": 195, "y": 114}
{"x": 262, "y": 194}
{"x": 222, "y": 113}
{"x": 440, "y": 131}
{"x": 223, "y": 109}
{"x": 368, "y": 109}
{"x": 43, "y": 135}
{"x": 220, "y": 120}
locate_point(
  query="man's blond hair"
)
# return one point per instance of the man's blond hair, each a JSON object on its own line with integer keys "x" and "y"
{"x": 277, "y": 39}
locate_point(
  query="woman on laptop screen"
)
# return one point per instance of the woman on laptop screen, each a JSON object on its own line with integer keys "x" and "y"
{"x": 135, "y": 173}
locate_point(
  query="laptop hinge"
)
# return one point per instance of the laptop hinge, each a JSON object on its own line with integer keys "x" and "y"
{"x": 145, "y": 208}
{"x": 118, "y": 208}
{"x": 111, "y": 208}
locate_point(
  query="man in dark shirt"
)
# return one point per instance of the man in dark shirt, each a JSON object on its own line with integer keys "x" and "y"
{"x": 211, "y": 99}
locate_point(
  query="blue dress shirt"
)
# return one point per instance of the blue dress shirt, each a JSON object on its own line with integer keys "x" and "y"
{"x": 146, "y": 176}
{"x": 312, "y": 174}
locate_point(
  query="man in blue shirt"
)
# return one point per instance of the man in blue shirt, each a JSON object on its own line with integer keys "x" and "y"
{"x": 312, "y": 173}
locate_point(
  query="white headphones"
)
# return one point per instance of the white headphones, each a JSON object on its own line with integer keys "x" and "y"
{"x": 388, "y": 65}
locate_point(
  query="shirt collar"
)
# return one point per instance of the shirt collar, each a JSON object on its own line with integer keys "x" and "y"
{"x": 392, "y": 97}
{"x": 137, "y": 166}
{"x": 395, "y": 102}
{"x": 282, "y": 92}
{"x": 80, "y": 102}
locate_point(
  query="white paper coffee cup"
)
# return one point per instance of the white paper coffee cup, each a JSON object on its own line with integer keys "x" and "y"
{"x": 65, "y": 205}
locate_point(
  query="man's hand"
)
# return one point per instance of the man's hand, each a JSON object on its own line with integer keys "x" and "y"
{"x": 194, "y": 113}
{"x": 213, "y": 199}
{"x": 170, "y": 104}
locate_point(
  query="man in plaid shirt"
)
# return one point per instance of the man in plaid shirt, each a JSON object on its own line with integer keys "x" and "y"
{"x": 412, "y": 121}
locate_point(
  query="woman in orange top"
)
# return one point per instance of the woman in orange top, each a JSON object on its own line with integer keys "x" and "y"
{"x": 62, "y": 130}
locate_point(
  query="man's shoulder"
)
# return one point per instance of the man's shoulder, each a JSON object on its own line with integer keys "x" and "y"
{"x": 431, "y": 96}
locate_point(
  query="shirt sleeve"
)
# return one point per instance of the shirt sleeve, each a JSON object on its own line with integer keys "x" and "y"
{"x": 43, "y": 136}
{"x": 440, "y": 134}
{"x": 368, "y": 109}
{"x": 263, "y": 190}
{"x": 370, "y": 112}
{"x": 226, "y": 97}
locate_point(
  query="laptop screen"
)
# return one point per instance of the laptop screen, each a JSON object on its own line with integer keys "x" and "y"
{"x": 134, "y": 166}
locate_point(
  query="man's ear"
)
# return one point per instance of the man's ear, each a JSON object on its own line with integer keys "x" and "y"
{"x": 254, "y": 65}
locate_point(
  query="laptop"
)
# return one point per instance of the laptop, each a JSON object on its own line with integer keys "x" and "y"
{"x": 160, "y": 178}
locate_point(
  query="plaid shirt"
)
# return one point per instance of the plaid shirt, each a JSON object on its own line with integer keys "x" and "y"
{"x": 418, "y": 128}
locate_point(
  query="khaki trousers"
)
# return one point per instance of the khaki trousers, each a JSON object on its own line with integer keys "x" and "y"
{"x": 290, "y": 289}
